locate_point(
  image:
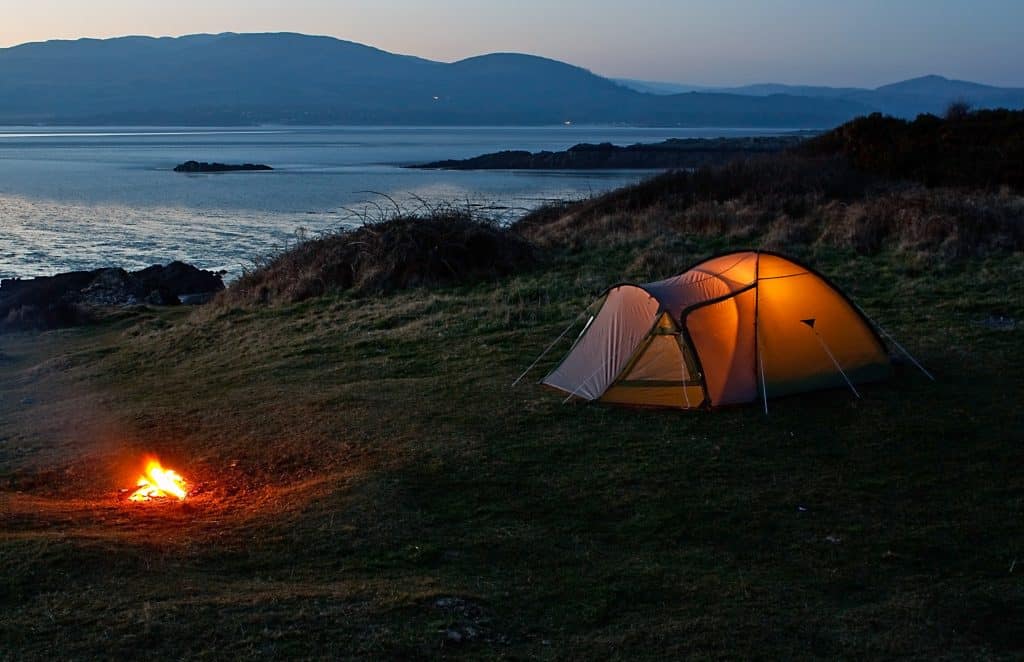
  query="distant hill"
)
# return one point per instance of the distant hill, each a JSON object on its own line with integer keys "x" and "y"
{"x": 909, "y": 98}
{"x": 291, "y": 78}
{"x": 660, "y": 87}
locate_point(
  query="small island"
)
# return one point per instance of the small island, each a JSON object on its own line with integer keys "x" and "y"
{"x": 674, "y": 153}
{"x": 202, "y": 166}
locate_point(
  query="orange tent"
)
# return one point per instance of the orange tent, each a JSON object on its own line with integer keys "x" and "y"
{"x": 736, "y": 328}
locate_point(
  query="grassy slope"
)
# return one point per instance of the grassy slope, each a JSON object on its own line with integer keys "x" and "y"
{"x": 359, "y": 462}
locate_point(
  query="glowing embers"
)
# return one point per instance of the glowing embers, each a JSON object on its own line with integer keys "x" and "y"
{"x": 159, "y": 483}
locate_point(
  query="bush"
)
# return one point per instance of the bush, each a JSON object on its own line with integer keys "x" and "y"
{"x": 405, "y": 250}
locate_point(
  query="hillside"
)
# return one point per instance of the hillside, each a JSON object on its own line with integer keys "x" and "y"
{"x": 983, "y": 148}
{"x": 291, "y": 78}
{"x": 366, "y": 482}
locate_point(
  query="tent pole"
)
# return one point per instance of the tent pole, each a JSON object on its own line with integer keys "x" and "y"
{"x": 896, "y": 344}
{"x": 838, "y": 367}
{"x": 555, "y": 342}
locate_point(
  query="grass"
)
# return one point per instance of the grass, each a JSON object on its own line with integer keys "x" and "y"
{"x": 370, "y": 485}
{"x": 790, "y": 203}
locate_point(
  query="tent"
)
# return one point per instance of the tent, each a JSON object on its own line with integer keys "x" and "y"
{"x": 736, "y": 328}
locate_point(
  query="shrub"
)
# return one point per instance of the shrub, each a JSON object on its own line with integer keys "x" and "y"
{"x": 405, "y": 250}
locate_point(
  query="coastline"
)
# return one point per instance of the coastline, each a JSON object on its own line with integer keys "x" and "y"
{"x": 674, "y": 153}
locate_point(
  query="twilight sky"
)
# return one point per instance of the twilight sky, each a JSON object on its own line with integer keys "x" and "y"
{"x": 711, "y": 42}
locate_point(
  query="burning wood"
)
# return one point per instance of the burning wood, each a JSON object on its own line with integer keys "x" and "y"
{"x": 159, "y": 483}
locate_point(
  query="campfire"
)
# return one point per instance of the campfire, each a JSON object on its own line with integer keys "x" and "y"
{"x": 159, "y": 483}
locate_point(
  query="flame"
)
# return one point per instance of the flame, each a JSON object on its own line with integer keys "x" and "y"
{"x": 158, "y": 482}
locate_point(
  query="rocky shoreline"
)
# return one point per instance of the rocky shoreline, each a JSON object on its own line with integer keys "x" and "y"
{"x": 675, "y": 153}
{"x": 71, "y": 298}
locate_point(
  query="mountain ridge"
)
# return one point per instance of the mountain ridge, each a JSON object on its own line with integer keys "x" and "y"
{"x": 291, "y": 78}
{"x": 930, "y": 93}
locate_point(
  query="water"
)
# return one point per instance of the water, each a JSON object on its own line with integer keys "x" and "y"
{"x": 86, "y": 197}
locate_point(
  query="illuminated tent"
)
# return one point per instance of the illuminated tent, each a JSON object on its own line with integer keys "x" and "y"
{"x": 735, "y": 328}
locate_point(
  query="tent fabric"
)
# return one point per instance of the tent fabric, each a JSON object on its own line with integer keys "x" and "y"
{"x": 627, "y": 316}
{"x": 723, "y": 337}
{"x": 794, "y": 359}
{"x": 729, "y": 330}
{"x": 709, "y": 280}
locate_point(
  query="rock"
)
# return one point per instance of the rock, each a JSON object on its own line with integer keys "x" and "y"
{"x": 110, "y": 287}
{"x": 179, "y": 278}
{"x": 68, "y": 299}
{"x": 202, "y": 166}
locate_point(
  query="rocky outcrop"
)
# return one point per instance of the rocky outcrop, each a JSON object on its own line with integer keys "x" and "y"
{"x": 71, "y": 298}
{"x": 675, "y": 153}
{"x": 202, "y": 166}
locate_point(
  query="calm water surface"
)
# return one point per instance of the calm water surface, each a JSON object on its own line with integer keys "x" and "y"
{"x": 85, "y": 197}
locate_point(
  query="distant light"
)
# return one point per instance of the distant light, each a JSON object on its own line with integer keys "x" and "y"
{"x": 437, "y": 98}
{"x": 567, "y": 122}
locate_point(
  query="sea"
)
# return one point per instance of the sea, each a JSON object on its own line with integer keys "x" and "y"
{"x": 75, "y": 198}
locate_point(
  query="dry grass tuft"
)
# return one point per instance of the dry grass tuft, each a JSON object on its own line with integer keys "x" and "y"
{"x": 439, "y": 247}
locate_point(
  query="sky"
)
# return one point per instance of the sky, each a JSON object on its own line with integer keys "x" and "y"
{"x": 701, "y": 42}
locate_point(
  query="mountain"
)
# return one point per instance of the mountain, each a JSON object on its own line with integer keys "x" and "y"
{"x": 299, "y": 79}
{"x": 932, "y": 94}
{"x": 813, "y": 91}
{"x": 909, "y": 98}
{"x": 756, "y": 90}
{"x": 661, "y": 87}
{"x": 291, "y": 78}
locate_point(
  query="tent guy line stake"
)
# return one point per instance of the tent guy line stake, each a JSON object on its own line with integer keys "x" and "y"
{"x": 896, "y": 343}
{"x": 555, "y": 342}
{"x": 824, "y": 345}
{"x": 906, "y": 353}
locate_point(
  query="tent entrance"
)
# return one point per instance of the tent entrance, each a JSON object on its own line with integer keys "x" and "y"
{"x": 662, "y": 371}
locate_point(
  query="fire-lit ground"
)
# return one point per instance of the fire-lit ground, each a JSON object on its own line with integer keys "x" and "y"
{"x": 69, "y": 472}
{"x": 363, "y": 483}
